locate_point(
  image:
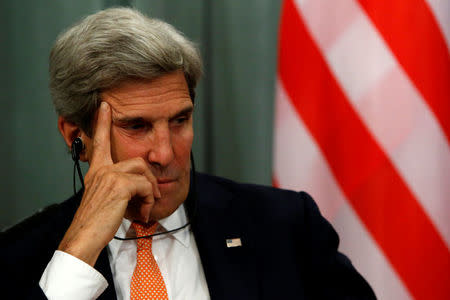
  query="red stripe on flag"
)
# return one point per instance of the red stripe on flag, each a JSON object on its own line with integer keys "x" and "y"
{"x": 418, "y": 44}
{"x": 369, "y": 180}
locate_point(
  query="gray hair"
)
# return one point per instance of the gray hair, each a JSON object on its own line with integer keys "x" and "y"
{"x": 109, "y": 47}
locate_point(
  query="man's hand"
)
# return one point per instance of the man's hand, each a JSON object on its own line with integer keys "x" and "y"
{"x": 106, "y": 199}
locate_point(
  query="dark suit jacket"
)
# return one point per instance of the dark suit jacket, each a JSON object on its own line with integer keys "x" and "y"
{"x": 289, "y": 251}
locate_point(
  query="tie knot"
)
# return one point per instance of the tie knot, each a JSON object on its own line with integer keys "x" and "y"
{"x": 143, "y": 229}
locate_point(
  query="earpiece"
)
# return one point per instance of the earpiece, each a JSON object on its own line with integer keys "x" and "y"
{"x": 77, "y": 148}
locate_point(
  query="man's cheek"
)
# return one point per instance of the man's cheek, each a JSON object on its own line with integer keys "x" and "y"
{"x": 183, "y": 142}
{"x": 123, "y": 146}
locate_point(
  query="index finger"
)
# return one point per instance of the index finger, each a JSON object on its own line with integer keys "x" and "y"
{"x": 101, "y": 152}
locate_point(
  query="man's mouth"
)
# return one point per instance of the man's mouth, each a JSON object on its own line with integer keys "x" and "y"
{"x": 166, "y": 183}
{"x": 165, "y": 180}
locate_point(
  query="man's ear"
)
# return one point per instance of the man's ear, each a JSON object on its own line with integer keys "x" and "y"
{"x": 70, "y": 131}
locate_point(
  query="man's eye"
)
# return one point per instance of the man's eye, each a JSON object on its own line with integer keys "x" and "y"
{"x": 136, "y": 126}
{"x": 181, "y": 120}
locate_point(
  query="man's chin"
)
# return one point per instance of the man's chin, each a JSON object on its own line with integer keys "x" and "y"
{"x": 173, "y": 195}
{"x": 142, "y": 213}
{"x": 162, "y": 209}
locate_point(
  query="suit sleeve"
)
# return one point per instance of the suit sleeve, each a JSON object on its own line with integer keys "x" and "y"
{"x": 332, "y": 273}
{"x": 26, "y": 249}
{"x": 19, "y": 280}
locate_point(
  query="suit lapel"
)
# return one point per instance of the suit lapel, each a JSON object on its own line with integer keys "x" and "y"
{"x": 229, "y": 271}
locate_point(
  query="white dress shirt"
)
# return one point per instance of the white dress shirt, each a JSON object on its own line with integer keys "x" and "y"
{"x": 176, "y": 254}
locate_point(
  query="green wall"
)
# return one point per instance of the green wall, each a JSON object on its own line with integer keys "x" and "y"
{"x": 234, "y": 108}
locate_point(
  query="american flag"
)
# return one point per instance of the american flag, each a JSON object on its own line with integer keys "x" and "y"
{"x": 362, "y": 123}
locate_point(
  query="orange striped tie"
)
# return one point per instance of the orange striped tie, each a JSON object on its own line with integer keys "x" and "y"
{"x": 147, "y": 281}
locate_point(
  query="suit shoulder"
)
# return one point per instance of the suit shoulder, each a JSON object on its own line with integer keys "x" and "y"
{"x": 275, "y": 202}
{"x": 39, "y": 227}
{"x": 30, "y": 244}
{"x": 263, "y": 191}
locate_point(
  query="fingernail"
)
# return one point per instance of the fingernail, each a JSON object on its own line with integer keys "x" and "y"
{"x": 104, "y": 106}
{"x": 158, "y": 193}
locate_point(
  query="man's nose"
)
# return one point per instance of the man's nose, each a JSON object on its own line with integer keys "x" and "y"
{"x": 161, "y": 150}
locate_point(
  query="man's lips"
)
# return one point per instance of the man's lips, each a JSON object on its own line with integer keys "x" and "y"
{"x": 166, "y": 184}
{"x": 165, "y": 180}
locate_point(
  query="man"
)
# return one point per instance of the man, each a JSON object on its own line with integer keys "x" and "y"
{"x": 125, "y": 85}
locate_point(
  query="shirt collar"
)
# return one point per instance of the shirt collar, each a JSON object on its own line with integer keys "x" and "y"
{"x": 177, "y": 219}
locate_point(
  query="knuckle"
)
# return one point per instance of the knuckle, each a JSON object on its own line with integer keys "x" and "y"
{"x": 120, "y": 186}
{"x": 149, "y": 186}
{"x": 140, "y": 163}
{"x": 112, "y": 177}
{"x": 140, "y": 160}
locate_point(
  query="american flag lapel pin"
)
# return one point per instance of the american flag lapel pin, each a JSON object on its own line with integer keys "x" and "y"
{"x": 233, "y": 242}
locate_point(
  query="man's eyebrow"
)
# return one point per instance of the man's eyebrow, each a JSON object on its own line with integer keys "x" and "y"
{"x": 186, "y": 111}
{"x": 128, "y": 120}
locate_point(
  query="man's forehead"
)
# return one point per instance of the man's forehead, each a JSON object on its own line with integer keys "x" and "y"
{"x": 136, "y": 88}
{"x": 126, "y": 114}
{"x": 166, "y": 95}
